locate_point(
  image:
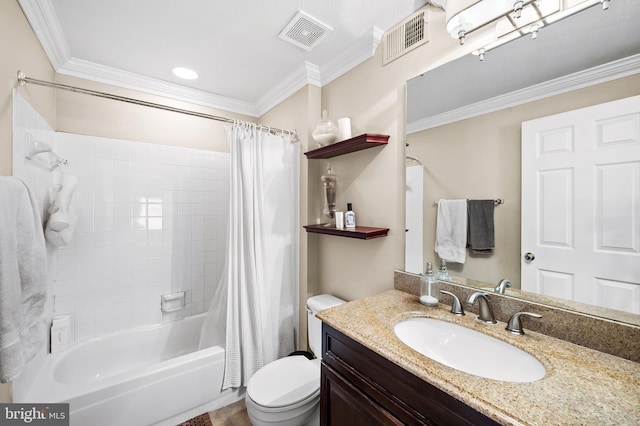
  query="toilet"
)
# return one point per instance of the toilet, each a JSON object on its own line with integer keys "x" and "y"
{"x": 286, "y": 392}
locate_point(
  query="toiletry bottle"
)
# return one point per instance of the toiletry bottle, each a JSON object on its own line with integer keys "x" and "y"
{"x": 429, "y": 287}
{"x": 443, "y": 273}
{"x": 350, "y": 217}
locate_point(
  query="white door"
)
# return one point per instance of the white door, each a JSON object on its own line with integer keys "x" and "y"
{"x": 581, "y": 205}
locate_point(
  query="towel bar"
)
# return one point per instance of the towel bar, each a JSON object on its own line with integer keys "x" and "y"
{"x": 496, "y": 201}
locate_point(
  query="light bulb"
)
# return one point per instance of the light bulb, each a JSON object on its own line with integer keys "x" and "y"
{"x": 461, "y": 37}
{"x": 517, "y": 9}
{"x": 605, "y": 4}
{"x": 534, "y": 32}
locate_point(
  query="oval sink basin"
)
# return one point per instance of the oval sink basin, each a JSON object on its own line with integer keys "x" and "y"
{"x": 468, "y": 350}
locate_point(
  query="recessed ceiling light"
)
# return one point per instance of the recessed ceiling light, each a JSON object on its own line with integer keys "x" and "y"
{"x": 185, "y": 73}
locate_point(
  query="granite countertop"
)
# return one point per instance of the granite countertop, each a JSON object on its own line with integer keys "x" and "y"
{"x": 582, "y": 386}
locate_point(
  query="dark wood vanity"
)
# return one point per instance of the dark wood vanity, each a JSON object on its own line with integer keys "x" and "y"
{"x": 360, "y": 387}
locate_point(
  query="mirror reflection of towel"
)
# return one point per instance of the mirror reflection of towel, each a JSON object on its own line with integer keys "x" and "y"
{"x": 480, "y": 236}
{"x": 451, "y": 230}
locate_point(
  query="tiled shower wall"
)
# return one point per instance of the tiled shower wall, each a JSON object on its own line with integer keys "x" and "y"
{"x": 151, "y": 220}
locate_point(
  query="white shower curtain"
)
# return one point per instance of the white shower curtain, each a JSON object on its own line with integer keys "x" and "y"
{"x": 255, "y": 308}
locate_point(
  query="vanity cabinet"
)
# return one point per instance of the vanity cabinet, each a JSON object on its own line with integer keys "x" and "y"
{"x": 361, "y": 387}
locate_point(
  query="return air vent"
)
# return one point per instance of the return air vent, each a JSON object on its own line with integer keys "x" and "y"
{"x": 305, "y": 31}
{"x": 406, "y": 36}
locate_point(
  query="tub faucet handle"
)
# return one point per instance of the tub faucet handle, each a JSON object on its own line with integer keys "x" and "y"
{"x": 456, "y": 306}
{"x": 515, "y": 322}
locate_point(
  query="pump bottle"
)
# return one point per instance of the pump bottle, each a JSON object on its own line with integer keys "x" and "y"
{"x": 429, "y": 287}
{"x": 350, "y": 217}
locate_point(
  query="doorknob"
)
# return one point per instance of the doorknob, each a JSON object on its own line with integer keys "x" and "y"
{"x": 529, "y": 256}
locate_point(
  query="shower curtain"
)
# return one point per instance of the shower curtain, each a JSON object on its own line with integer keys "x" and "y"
{"x": 254, "y": 309}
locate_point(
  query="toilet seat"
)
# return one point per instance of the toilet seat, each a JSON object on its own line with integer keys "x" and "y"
{"x": 285, "y": 383}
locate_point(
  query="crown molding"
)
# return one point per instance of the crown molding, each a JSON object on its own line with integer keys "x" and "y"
{"x": 578, "y": 80}
{"x": 364, "y": 48}
{"x": 44, "y": 23}
{"x": 309, "y": 73}
{"x": 128, "y": 80}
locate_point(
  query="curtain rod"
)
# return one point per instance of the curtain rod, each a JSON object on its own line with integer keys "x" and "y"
{"x": 23, "y": 79}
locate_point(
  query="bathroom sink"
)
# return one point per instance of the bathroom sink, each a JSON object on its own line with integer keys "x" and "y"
{"x": 468, "y": 350}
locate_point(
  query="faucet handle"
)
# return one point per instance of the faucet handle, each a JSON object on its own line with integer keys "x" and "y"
{"x": 515, "y": 322}
{"x": 456, "y": 306}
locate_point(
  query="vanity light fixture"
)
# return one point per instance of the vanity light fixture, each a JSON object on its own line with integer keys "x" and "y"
{"x": 466, "y": 16}
{"x": 184, "y": 73}
{"x": 512, "y": 16}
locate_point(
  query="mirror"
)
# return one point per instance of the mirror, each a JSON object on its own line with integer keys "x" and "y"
{"x": 464, "y": 117}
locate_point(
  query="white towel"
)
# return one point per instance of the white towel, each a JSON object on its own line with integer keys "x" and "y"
{"x": 23, "y": 278}
{"x": 451, "y": 230}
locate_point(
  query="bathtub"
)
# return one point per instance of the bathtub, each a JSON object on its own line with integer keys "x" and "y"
{"x": 152, "y": 375}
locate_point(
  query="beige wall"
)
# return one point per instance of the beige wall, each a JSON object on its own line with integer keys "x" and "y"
{"x": 480, "y": 158}
{"x": 20, "y": 50}
{"x": 373, "y": 96}
{"x": 90, "y": 115}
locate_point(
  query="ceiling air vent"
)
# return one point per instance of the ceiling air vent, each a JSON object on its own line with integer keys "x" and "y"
{"x": 406, "y": 36}
{"x": 305, "y": 31}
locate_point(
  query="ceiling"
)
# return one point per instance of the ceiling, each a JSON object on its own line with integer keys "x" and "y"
{"x": 234, "y": 45}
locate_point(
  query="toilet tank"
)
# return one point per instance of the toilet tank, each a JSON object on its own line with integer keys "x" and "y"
{"x": 316, "y": 304}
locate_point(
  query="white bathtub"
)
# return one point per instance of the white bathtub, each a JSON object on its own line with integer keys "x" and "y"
{"x": 146, "y": 376}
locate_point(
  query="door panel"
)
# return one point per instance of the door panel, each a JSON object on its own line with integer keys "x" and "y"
{"x": 581, "y": 205}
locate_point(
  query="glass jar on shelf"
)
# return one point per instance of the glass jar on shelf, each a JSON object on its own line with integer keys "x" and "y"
{"x": 326, "y": 130}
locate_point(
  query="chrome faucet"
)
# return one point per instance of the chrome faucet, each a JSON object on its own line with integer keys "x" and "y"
{"x": 502, "y": 286}
{"x": 484, "y": 308}
{"x": 515, "y": 322}
{"x": 456, "y": 306}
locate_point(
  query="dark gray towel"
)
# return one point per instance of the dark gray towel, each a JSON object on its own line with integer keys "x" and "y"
{"x": 480, "y": 232}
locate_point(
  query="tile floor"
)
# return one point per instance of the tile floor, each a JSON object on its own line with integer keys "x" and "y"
{"x": 231, "y": 415}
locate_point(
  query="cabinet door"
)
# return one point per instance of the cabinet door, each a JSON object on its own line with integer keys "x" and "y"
{"x": 360, "y": 387}
{"x": 341, "y": 403}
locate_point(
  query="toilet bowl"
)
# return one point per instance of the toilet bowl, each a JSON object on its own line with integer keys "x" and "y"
{"x": 286, "y": 392}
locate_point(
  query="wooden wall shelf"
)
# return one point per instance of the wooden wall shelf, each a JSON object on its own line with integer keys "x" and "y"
{"x": 365, "y": 141}
{"x": 360, "y": 232}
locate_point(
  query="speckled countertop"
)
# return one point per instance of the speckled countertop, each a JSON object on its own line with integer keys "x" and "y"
{"x": 582, "y": 386}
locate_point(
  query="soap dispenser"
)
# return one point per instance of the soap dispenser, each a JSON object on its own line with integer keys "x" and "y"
{"x": 443, "y": 272}
{"x": 429, "y": 287}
